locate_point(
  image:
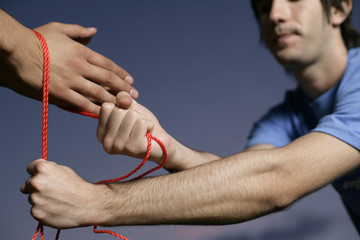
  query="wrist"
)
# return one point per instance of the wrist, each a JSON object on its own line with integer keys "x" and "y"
{"x": 183, "y": 158}
{"x": 176, "y": 157}
{"x": 22, "y": 63}
{"x": 112, "y": 207}
{"x": 157, "y": 154}
{"x": 100, "y": 211}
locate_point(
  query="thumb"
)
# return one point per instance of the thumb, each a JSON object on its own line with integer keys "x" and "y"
{"x": 124, "y": 100}
{"x": 76, "y": 31}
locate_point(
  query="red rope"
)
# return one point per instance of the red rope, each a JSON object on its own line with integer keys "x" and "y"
{"x": 149, "y": 137}
{"x": 45, "y": 93}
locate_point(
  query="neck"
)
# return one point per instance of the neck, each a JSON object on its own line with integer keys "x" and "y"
{"x": 320, "y": 76}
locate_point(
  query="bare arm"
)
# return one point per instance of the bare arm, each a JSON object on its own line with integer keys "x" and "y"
{"x": 79, "y": 78}
{"x": 232, "y": 190}
{"x": 237, "y": 188}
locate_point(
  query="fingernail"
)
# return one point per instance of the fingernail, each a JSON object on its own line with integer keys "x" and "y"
{"x": 91, "y": 29}
{"x": 134, "y": 94}
{"x": 129, "y": 79}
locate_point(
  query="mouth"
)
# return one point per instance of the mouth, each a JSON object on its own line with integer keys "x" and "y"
{"x": 281, "y": 39}
{"x": 281, "y": 35}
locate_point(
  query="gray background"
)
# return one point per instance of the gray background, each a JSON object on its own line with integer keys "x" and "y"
{"x": 200, "y": 67}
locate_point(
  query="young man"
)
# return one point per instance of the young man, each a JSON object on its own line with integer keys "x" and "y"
{"x": 300, "y": 146}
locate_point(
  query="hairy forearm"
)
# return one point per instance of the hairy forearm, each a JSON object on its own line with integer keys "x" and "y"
{"x": 5, "y": 33}
{"x": 231, "y": 190}
{"x": 235, "y": 189}
{"x": 9, "y": 32}
{"x": 227, "y": 191}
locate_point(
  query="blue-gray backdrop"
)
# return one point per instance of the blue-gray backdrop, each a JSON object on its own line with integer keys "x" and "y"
{"x": 200, "y": 67}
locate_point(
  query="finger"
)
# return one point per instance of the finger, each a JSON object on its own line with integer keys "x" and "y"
{"x": 109, "y": 79}
{"x": 124, "y": 100}
{"x": 32, "y": 168}
{"x": 94, "y": 92}
{"x": 105, "y": 112}
{"x": 74, "y": 101}
{"x": 27, "y": 187}
{"x": 126, "y": 127}
{"x": 115, "y": 120}
{"x": 138, "y": 134}
{"x": 24, "y": 188}
{"x": 75, "y": 30}
{"x": 30, "y": 199}
{"x": 105, "y": 63}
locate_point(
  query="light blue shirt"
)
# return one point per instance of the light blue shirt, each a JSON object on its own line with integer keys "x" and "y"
{"x": 336, "y": 112}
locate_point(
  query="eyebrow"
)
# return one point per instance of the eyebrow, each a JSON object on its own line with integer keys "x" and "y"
{"x": 259, "y": 1}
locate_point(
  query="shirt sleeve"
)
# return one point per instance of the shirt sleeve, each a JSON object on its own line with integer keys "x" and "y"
{"x": 344, "y": 122}
{"x": 274, "y": 128}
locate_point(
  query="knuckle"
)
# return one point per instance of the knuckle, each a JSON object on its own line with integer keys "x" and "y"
{"x": 132, "y": 114}
{"x": 79, "y": 49}
{"x": 33, "y": 199}
{"x": 118, "y": 111}
{"x": 109, "y": 78}
{"x": 99, "y": 134}
{"x": 108, "y": 64}
{"x": 67, "y": 169}
{"x": 119, "y": 146}
{"x": 37, "y": 184}
{"x": 42, "y": 167}
{"x": 143, "y": 122}
{"x": 77, "y": 26}
{"x": 134, "y": 149}
{"x": 123, "y": 86}
{"x": 107, "y": 145}
{"x": 75, "y": 65}
{"x": 54, "y": 24}
{"x": 83, "y": 104}
{"x": 107, "y": 106}
{"x": 98, "y": 91}
{"x": 106, "y": 148}
{"x": 38, "y": 213}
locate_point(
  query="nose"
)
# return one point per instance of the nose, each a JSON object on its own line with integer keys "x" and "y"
{"x": 280, "y": 11}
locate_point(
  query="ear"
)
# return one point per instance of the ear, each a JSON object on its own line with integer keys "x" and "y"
{"x": 338, "y": 16}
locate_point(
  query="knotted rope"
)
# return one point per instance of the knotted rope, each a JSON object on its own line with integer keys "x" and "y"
{"x": 45, "y": 101}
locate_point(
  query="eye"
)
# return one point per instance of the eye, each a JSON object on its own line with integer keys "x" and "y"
{"x": 263, "y": 6}
{"x": 264, "y": 9}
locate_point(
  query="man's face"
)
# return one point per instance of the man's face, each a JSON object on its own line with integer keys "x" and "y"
{"x": 295, "y": 31}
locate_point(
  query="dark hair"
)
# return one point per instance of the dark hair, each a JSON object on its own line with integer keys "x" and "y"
{"x": 349, "y": 34}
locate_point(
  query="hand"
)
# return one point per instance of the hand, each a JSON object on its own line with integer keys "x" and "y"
{"x": 61, "y": 199}
{"x": 123, "y": 131}
{"x": 80, "y": 79}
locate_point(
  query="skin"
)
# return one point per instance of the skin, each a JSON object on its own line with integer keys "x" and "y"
{"x": 300, "y": 41}
{"x": 81, "y": 79}
{"x": 205, "y": 188}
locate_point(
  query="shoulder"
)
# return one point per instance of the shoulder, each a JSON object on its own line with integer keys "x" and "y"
{"x": 276, "y": 127}
{"x": 352, "y": 72}
{"x": 343, "y": 122}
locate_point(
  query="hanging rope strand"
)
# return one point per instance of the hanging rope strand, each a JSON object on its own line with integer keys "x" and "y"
{"x": 46, "y": 71}
{"x": 45, "y": 107}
